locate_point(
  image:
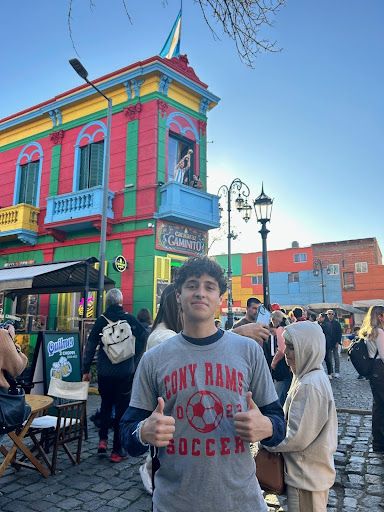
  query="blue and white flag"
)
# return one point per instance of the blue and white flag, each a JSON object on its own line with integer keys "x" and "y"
{"x": 171, "y": 47}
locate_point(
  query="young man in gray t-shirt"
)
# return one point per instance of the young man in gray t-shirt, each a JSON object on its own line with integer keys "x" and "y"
{"x": 201, "y": 397}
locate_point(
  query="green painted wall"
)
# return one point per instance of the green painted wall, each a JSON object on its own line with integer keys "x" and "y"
{"x": 162, "y": 130}
{"x": 144, "y": 271}
{"x": 55, "y": 169}
{"x": 131, "y": 168}
{"x": 203, "y": 160}
{"x": 36, "y": 255}
{"x": 222, "y": 260}
{"x": 81, "y": 252}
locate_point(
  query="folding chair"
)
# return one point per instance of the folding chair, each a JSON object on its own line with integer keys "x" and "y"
{"x": 65, "y": 428}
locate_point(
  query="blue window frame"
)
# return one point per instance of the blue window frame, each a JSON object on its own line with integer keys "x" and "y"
{"x": 181, "y": 167}
{"x": 28, "y": 175}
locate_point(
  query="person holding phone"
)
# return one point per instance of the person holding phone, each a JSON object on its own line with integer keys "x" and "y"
{"x": 253, "y": 305}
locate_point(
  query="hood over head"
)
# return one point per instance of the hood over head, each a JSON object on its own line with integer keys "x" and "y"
{"x": 309, "y": 346}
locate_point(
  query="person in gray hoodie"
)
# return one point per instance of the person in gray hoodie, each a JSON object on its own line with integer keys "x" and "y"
{"x": 311, "y": 438}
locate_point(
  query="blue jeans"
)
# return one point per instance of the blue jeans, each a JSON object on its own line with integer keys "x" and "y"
{"x": 332, "y": 352}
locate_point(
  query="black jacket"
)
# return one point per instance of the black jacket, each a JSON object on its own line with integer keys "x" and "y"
{"x": 332, "y": 332}
{"x": 104, "y": 366}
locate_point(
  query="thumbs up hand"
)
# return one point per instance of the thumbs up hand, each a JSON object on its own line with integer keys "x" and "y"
{"x": 251, "y": 425}
{"x": 158, "y": 429}
{"x": 160, "y": 406}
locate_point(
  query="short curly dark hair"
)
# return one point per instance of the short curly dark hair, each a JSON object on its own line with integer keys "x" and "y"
{"x": 197, "y": 266}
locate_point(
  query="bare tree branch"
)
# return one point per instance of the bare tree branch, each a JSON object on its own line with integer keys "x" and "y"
{"x": 241, "y": 20}
{"x": 69, "y": 21}
{"x": 126, "y": 12}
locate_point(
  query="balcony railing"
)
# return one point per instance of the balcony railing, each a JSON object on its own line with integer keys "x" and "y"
{"x": 187, "y": 205}
{"x": 77, "y": 205}
{"x": 19, "y": 221}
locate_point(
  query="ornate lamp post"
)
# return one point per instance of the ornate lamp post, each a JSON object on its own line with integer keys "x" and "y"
{"x": 318, "y": 268}
{"x": 263, "y": 209}
{"x": 245, "y": 208}
{"x": 83, "y": 73}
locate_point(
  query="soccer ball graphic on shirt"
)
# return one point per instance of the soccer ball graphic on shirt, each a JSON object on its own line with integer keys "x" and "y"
{"x": 204, "y": 411}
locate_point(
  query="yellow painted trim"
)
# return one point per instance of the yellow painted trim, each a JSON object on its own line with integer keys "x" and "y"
{"x": 25, "y": 130}
{"x": 176, "y": 257}
{"x": 150, "y": 85}
{"x": 93, "y": 104}
{"x": 162, "y": 271}
{"x": 179, "y": 93}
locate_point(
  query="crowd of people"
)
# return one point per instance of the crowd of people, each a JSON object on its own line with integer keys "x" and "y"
{"x": 194, "y": 396}
{"x": 201, "y": 395}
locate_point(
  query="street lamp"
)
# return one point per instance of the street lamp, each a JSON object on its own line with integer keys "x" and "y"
{"x": 245, "y": 208}
{"x": 318, "y": 268}
{"x": 263, "y": 209}
{"x": 83, "y": 73}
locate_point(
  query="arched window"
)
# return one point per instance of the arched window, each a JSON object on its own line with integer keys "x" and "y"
{"x": 182, "y": 139}
{"x": 28, "y": 174}
{"x": 89, "y": 156}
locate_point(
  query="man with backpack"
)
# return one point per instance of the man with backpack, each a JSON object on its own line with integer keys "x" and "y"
{"x": 121, "y": 340}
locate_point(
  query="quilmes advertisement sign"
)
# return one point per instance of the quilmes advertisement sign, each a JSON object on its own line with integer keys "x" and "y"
{"x": 59, "y": 355}
{"x": 180, "y": 239}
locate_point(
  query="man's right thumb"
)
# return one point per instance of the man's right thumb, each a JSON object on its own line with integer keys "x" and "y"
{"x": 160, "y": 405}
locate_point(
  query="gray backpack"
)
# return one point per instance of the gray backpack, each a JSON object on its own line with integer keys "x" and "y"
{"x": 118, "y": 340}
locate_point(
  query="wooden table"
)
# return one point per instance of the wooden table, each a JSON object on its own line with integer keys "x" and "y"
{"x": 39, "y": 404}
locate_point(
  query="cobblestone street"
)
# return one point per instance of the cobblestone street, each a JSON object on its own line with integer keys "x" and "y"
{"x": 97, "y": 484}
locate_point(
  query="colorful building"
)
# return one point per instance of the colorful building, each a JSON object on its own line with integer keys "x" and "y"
{"x": 321, "y": 275}
{"x": 52, "y": 161}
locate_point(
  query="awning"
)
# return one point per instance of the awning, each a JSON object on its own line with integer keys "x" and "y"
{"x": 61, "y": 277}
{"x": 336, "y": 306}
{"x": 322, "y": 307}
{"x": 368, "y": 303}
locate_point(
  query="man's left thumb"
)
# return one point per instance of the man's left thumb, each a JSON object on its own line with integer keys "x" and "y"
{"x": 250, "y": 403}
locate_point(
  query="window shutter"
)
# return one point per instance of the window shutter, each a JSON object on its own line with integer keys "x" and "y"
{"x": 96, "y": 164}
{"x": 33, "y": 171}
{"x": 167, "y": 269}
{"x": 84, "y": 166}
{"x": 23, "y": 179}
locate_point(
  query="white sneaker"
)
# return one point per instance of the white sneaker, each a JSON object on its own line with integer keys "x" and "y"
{"x": 146, "y": 478}
{"x": 336, "y": 375}
{"x": 329, "y": 376}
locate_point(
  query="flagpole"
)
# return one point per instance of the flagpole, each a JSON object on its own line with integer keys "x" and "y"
{"x": 181, "y": 22}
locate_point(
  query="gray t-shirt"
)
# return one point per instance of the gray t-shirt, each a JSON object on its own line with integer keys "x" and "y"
{"x": 206, "y": 467}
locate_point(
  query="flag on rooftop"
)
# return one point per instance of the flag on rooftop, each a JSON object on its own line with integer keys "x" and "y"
{"x": 171, "y": 47}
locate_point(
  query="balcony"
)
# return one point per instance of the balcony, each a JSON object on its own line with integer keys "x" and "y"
{"x": 187, "y": 205}
{"x": 19, "y": 222}
{"x": 76, "y": 210}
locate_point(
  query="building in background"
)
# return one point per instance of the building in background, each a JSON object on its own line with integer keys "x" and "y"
{"x": 52, "y": 160}
{"x": 347, "y": 276}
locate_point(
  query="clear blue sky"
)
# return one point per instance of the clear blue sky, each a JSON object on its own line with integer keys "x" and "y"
{"x": 308, "y": 121}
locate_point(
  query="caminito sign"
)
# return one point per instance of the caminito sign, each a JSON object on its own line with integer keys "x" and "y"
{"x": 180, "y": 239}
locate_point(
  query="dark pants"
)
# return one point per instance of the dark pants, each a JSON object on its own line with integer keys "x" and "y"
{"x": 332, "y": 352}
{"x": 377, "y": 386}
{"x": 114, "y": 392}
